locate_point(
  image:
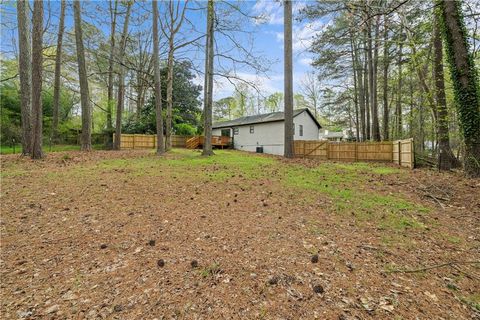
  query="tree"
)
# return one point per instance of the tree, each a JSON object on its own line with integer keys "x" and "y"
{"x": 86, "y": 139}
{"x": 174, "y": 22}
{"x": 111, "y": 57}
{"x": 274, "y": 102}
{"x": 158, "y": 90}
{"x": 311, "y": 89}
{"x": 288, "y": 80}
{"x": 58, "y": 68}
{"x": 446, "y": 159}
{"x": 121, "y": 78}
{"x": 386, "y": 62}
{"x": 208, "y": 90}
{"x": 25, "y": 71}
{"x": 37, "y": 68}
{"x": 224, "y": 108}
{"x": 465, "y": 81}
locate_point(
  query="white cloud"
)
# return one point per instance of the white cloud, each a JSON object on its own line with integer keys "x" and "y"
{"x": 306, "y": 61}
{"x": 303, "y": 35}
{"x": 271, "y": 12}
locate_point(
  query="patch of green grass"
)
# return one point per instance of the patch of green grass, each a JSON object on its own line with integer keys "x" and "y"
{"x": 223, "y": 165}
{"x": 472, "y": 300}
{"x": 211, "y": 270}
{"x": 47, "y": 148}
{"x": 344, "y": 184}
{"x": 454, "y": 239}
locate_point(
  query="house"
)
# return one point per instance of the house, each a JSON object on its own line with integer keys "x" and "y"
{"x": 267, "y": 130}
{"x": 332, "y": 135}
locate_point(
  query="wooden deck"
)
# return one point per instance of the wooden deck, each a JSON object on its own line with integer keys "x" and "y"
{"x": 217, "y": 141}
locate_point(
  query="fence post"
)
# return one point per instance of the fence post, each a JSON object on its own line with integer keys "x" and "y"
{"x": 356, "y": 152}
{"x": 328, "y": 149}
{"x": 133, "y": 143}
{"x": 304, "y": 149}
{"x": 399, "y": 153}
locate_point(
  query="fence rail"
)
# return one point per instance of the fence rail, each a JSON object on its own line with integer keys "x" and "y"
{"x": 387, "y": 151}
{"x": 147, "y": 141}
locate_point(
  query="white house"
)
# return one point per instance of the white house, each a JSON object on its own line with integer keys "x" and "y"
{"x": 331, "y": 135}
{"x": 267, "y": 130}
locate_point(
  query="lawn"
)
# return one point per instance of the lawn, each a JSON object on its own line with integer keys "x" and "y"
{"x": 53, "y": 148}
{"x": 131, "y": 235}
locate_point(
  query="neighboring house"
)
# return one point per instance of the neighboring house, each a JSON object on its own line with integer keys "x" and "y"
{"x": 332, "y": 135}
{"x": 267, "y": 130}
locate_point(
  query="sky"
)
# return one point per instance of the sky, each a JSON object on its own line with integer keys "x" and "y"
{"x": 269, "y": 41}
{"x": 266, "y": 36}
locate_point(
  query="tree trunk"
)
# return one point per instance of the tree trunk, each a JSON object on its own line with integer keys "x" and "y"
{"x": 465, "y": 81}
{"x": 386, "y": 62}
{"x": 361, "y": 95}
{"x": 355, "y": 89}
{"x": 367, "y": 95}
{"x": 58, "y": 68}
{"x": 446, "y": 158}
{"x": 372, "y": 77}
{"x": 25, "y": 71}
{"x": 37, "y": 68}
{"x": 110, "y": 102}
{"x": 208, "y": 90}
{"x": 121, "y": 80}
{"x": 288, "y": 74}
{"x": 398, "y": 109}
{"x": 158, "y": 89}
{"x": 168, "y": 126}
{"x": 86, "y": 140}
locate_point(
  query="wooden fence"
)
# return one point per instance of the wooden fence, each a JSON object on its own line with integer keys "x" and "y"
{"x": 387, "y": 151}
{"x": 147, "y": 141}
{"x": 404, "y": 153}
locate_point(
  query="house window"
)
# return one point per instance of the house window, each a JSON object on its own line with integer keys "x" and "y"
{"x": 252, "y": 129}
{"x": 301, "y": 130}
{"x": 235, "y": 131}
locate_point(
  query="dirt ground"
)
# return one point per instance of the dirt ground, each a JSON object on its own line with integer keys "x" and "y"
{"x": 128, "y": 235}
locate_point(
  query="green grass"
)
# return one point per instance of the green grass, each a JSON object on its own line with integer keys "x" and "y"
{"x": 345, "y": 184}
{"x": 47, "y": 148}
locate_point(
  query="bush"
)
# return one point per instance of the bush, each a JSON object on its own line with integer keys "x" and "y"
{"x": 184, "y": 129}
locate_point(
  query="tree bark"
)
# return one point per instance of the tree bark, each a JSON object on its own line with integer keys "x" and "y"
{"x": 386, "y": 62}
{"x": 110, "y": 102}
{"x": 446, "y": 158}
{"x": 372, "y": 76}
{"x": 361, "y": 94}
{"x": 37, "y": 68}
{"x": 58, "y": 69}
{"x": 288, "y": 74}
{"x": 398, "y": 108}
{"x": 465, "y": 81}
{"x": 355, "y": 89}
{"x": 25, "y": 71}
{"x": 86, "y": 140}
{"x": 208, "y": 90}
{"x": 121, "y": 80}
{"x": 367, "y": 92}
{"x": 158, "y": 89}
{"x": 168, "y": 127}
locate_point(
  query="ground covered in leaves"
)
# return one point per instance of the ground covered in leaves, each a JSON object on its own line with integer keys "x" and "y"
{"x": 129, "y": 235}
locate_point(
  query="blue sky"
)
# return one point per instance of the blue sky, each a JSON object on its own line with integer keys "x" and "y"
{"x": 267, "y": 37}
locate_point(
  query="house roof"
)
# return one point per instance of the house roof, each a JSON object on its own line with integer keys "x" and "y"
{"x": 333, "y": 135}
{"x": 262, "y": 118}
